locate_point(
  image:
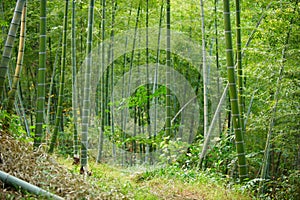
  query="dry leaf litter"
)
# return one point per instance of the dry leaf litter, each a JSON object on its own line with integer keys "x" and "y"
{"x": 40, "y": 169}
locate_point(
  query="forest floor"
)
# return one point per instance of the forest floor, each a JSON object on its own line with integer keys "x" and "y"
{"x": 59, "y": 176}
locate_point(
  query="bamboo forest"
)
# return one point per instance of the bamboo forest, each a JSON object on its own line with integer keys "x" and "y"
{"x": 150, "y": 99}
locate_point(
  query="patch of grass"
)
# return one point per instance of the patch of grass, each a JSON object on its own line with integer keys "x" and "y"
{"x": 172, "y": 182}
{"x": 169, "y": 182}
{"x": 115, "y": 182}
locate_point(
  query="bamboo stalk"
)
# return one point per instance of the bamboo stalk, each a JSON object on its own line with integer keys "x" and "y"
{"x": 212, "y": 124}
{"x": 237, "y": 126}
{"x": 74, "y": 83}
{"x": 114, "y": 7}
{"x": 62, "y": 80}
{"x": 124, "y": 111}
{"x": 86, "y": 93}
{"x": 6, "y": 55}
{"x": 15, "y": 82}
{"x": 217, "y": 59}
{"x": 148, "y": 146}
{"x": 205, "y": 75}
{"x": 239, "y": 63}
{"x": 47, "y": 118}
{"x": 103, "y": 99}
{"x": 18, "y": 183}
{"x": 41, "y": 77}
{"x": 168, "y": 73}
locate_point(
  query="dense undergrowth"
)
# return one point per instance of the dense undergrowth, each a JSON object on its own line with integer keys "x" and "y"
{"x": 57, "y": 175}
{"x": 181, "y": 180}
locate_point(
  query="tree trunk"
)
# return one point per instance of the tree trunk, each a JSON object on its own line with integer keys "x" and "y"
{"x": 112, "y": 35}
{"x": 41, "y": 77}
{"x": 86, "y": 93}
{"x": 103, "y": 98}
{"x": 74, "y": 84}
{"x": 237, "y": 126}
{"x": 205, "y": 74}
{"x": 168, "y": 72}
{"x": 15, "y": 83}
{"x": 59, "y": 114}
{"x": 6, "y": 55}
{"x": 239, "y": 63}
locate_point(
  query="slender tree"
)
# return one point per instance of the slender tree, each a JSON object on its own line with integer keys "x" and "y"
{"x": 103, "y": 99}
{"x": 168, "y": 73}
{"x": 51, "y": 88}
{"x": 2, "y": 27}
{"x": 237, "y": 126}
{"x": 6, "y": 55}
{"x": 41, "y": 76}
{"x": 210, "y": 129}
{"x": 15, "y": 95}
{"x": 124, "y": 111}
{"x": 112, "y": 35}
{"x": 74, "y": 83}
{"x": 62, "y": 80}
{"x": 86, "y": 93}
{"x": 155, "y": 85}
{"x": 217, "y": 59}
{"x": 205, "y": 75}
{"x": 239, "y": 62}
{"x": 15, "y": 83}
{"x": 148, "y": 156}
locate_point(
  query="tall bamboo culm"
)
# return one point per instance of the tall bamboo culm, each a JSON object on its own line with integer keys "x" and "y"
{"x": 103, "y": 100}
{"x": 155, "y": 85}
{"x": 12, "y": 92}
{"x": 237, "y": 125}
{"x": 41, "y": 77}
{"x": 124, "y": 111}
{"x": 217, "y": 60}
{"x": 148, "y": 153}
{"x": 74, "y": 83}
{"x": 86, "y": 92}
{"x": 51, "y": 88}
{"x": 239, "y": 62}
{"x": 168, "y": 73}
{"x": 6, "y": 55}
{"x": 112, "y": 35}
{"x": 205, "y": 75}
{"x": 62, "y": 80}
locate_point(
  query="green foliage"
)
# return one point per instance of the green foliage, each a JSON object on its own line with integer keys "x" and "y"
{"x": 284, "y": 187}
{"x": 13, "y": 125}
{"x": 171, "y": 148}
{"x": 199, "y": 180}
{"x": 221, "y": 157}
{"x": 65, "y": 142}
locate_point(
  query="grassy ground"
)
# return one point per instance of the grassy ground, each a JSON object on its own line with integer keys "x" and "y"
{"x": 169, "y": 182}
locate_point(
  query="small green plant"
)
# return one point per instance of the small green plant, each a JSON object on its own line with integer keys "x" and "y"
{"x": 13, "y": 125}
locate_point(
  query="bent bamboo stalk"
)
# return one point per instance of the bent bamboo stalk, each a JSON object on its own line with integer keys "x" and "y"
{"x": 18, "y": 183}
